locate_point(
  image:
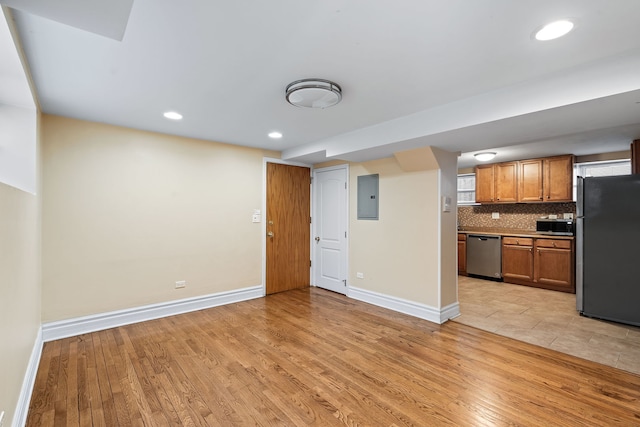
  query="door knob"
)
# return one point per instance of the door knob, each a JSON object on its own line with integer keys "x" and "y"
{"x": 317, "y": 238}
{"x": 270, "y": 234}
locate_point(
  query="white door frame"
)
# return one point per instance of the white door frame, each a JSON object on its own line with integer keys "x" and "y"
{"x": 314, "y": 263}
{"x": 263, "y": 214}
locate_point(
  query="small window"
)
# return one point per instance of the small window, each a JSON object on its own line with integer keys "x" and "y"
{"x": 608, "y": 168}
{"x": 605, "y": 168}
{"x": 467, "y": 189}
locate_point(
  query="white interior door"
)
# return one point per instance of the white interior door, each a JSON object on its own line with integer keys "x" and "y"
{"x": 330, "y": 221}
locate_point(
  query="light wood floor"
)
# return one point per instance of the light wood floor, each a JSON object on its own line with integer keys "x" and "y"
{"x": 549, "y": 319}
{"x": 312, "y": 357}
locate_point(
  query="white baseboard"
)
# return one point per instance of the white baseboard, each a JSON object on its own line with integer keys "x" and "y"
{"x": 22, "y": 407}
{"x": 81, "y": 325}
{"x": 401, "y": 305}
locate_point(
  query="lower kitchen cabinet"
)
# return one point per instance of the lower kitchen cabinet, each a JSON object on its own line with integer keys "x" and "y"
{"x": 517, "y": 258}
{"x": 541, "y": 262}
{"x": 462, "y": 253}
{"x": 554, "y": 265}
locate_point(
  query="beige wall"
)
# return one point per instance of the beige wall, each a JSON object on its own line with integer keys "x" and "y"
{"x": 19, "y": 291}
{"x": 405, "y": 253}
{"x": 128, "y": 213}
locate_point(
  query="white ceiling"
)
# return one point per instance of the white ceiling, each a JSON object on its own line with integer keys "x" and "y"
{"x": 462, "y": 75}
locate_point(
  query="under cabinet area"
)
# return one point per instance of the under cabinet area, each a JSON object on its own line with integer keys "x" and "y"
{"x": 526, "y": 181}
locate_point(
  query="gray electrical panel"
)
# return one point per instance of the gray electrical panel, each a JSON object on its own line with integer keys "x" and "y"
{"x": 368, "y": 196}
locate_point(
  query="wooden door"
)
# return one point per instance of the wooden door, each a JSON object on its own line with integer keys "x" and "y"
{"x": 288, "y": 229}
{"x": 558, "y": 183}
{"x": 530, "y": 181}
{"x": 506, "y": 182}
{"x": 484, "y": 184}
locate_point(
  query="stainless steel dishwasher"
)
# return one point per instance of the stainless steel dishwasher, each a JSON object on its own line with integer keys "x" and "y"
{"x": 484, "y": 255}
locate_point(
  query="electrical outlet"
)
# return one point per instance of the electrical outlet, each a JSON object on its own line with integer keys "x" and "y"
{"x": 181, "y": 284}
{"x": 495, "y": 215}
{"x": 568, "y": 216}
{"x": 360, "y": 275}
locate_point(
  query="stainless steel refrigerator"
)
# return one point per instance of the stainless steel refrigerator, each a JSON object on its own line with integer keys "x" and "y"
{"x": 608, "y": 248}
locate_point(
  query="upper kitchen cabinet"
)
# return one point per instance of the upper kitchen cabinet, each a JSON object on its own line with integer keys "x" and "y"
{"x": 557, "y": 185}
{"x": 497, "y": 183}
{"x": 485, "y": 184}
{"x": 506, "y": 182}
{"x": 535, "y": 180}
{"x": 530, "y": 179}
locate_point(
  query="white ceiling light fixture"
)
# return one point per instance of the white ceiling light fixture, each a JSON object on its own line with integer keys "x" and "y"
{"x": 313, "y": 93}
{"x": 485, "y": 156}
{"x": 275, "y": 135}
{"x": 554, "y": 30}
{"x": 172, "y": 115}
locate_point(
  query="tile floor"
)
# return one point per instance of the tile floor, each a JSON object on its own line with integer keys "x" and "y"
{"x": 548, "y": 319}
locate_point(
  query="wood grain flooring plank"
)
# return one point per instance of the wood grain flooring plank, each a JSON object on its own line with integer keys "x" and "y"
{"x": 312, "y": 357}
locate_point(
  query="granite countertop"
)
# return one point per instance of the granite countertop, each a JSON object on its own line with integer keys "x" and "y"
{"x": 516, "y": 232}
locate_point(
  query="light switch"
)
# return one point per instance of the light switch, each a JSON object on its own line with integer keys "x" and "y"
{"x": 495, "y": 215}
{"x": 446, "y": 204}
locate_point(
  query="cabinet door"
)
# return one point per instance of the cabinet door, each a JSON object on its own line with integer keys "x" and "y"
{"x": 462, "y": 257}
{"x": 554, "y": 267}
{"x": 517, "y": 262}
{"x": 484, "y": 184}
{"x": 506, "y": 175}
{"x": 530, "y": 181}
{"x": 558, "y": 179}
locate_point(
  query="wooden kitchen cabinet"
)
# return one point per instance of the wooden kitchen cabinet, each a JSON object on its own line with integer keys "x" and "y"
{"x": 558, "y": 179}
{"x": 541, "y": 262}
{"x": 534, "y": 181}
{"x": 506, "y": 182}
{"x": 530, "y": 180}
{"x": 497, "y": 183}
{"x": 554, "y": 264}
{"x": 517, "y": 259}
{"x": 462, "y": 254}
{"x": 485, "y": 184}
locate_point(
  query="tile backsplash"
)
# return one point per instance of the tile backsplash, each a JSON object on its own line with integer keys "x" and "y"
{"x": 522, "y": 216}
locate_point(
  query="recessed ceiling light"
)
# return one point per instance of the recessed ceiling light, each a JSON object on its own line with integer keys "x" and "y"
{"x": 485, "y": 156}
{"x": 554, "y": 30}
{"x": 275, "y": 135}
{"x": 172, "y": 115}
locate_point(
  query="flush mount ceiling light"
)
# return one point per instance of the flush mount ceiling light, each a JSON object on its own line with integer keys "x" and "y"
{"x": 485, "y": 156}
{"x": 313, "y": 93}
{"x": 275, "y": 135}
{"x": 172, "y": 115}
{"x": 554, "y": 30}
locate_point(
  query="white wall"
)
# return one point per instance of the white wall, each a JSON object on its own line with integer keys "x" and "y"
{"x": 128, "y": 213}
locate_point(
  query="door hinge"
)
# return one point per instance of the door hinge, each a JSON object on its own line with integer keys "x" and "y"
{"x": 345, "y": 185}
{"x": 311, "y": 180}
{"x": 309, "y": 220}
{"x": 345, "y": 234}
{"x": 344, "y": 281}
{"x": 309, "y": 263}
